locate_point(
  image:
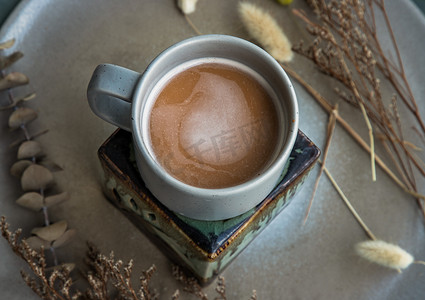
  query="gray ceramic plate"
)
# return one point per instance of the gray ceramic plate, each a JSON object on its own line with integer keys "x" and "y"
{"x": 63, "y": 41}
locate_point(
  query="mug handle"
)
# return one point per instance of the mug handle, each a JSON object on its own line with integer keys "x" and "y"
{"x": 110, "y": 92}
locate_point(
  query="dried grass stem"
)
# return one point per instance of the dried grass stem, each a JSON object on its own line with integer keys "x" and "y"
{"x": 346, "y": 47}
{"x": 350, "y": 207}
{"x": 330, "y": 131}
{"x": 328, "y": 108}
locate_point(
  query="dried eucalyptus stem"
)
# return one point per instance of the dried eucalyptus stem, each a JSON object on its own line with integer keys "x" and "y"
{"x": 36, "y": 178}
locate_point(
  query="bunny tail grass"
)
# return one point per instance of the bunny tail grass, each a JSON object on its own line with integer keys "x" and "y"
{"x": 262, "y": 27}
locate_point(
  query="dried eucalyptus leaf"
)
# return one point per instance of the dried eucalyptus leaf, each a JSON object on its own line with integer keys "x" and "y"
{"x": 64, "y": 239}
{"x": 52, "y": 166}
{"x": 31, "y": 200}
{"x": 8, "y": 44}
{"x": 51, "y": 232}
{"x": 29, "y": 149}
{"x": 16, "y": 101}
{"x": 22, "y": 115}
{"x": 36, "y": 243}
{"x": 36, "y": 177}
{"x": 19, "y": 167}
{"x": 9, "y": 60}
{"x": 56, "y": 199}
{"x": 12, "y": 80}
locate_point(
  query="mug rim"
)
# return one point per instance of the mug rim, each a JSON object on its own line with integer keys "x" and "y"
{"x": 284, "y": 152}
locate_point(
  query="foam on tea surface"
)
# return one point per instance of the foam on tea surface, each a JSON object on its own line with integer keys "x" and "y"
{"x": 213, "y": 125}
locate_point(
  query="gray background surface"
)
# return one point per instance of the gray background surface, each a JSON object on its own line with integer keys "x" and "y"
{"x": 63, "y": 41}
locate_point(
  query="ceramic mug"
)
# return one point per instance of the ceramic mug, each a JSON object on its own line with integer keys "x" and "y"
{"x": 121, "y": 96}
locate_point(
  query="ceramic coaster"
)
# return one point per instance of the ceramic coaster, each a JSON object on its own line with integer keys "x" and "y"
{"x": 204, "y": 248}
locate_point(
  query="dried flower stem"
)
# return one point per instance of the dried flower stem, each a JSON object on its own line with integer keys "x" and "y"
{"x": 14, "y": 101}
{"x": 328, "y": 108}
{"x": 346, "y": 47}
{"x": 41, "y": 191}
{"x": 347, "y": 202}
{"x": 371, "y": 141}
{"x": 191, "y": 284}
{"x": 349, "y": 81}
{"x": 191, "y": 24}
{"x": 36, "y": 261}
{"x": 407, "y": 97}
{"x": 330, "y": 130}
{"x": 376, "y": 251}
{"x": 28, "y": 137}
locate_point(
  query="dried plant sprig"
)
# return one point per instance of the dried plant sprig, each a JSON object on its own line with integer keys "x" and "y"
{"x": 330, "y": 130}
{"x": 36, "y": 181}
{"x": 376, "y": 251}
{"x": 187, "y": 6}
{"x": 47, "y": 285}
{"x": 371, "y": 141}
{"x": 395, "y": 73}
{"x": 386, "y": 254}
{"x": 350, "y": 207}
{"x": 191, "y": 285}
{"x": 16, "y": 101}
{"x": 221, "y": 288}
{"x": 106, "y": 272}
{"x": 328, "y": 108}
{"x": 29, "y": 137}
{"x": 335, "y": 57}
{"x": 264, "y": 28}
{"x": 191, "y": 24}
{"x": 107, "y": 276}
{"x": 347, "y": 48}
